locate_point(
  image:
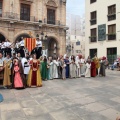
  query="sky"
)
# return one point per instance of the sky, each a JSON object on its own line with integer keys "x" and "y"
{"x": 76, "y": 7}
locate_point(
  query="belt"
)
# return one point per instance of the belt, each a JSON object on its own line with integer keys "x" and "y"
{"x": 26, "y": 66}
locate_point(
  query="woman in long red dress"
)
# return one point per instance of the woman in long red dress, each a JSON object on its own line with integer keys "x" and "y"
{"x": 93, "y": 69}
{"x": 34, "y": 77}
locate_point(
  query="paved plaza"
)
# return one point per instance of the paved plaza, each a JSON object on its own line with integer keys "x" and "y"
{"x": 72, "y": 99}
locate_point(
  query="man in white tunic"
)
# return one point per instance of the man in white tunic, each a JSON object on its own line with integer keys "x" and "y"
{"x": 7, "y": 46}
{"x": 25, "y": 65}
{"x": 39, "y": 48}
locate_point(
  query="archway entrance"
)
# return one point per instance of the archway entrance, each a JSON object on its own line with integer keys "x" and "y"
{"x": 22, "y": 35}
{"x": 2, "y": 38}
{"x": 50, "y": 47}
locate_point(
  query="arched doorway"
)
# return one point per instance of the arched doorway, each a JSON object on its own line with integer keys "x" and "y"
{"x": 53, "y": 49}
{"x": 22, "y": 35}
{"x": 50, "y": 47}
{"x": 2, "y": 38}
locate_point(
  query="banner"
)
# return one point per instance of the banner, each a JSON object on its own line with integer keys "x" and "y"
{"x": 30, "y": 43}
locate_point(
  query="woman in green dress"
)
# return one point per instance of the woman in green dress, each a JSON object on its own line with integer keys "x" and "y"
{"x": 44, "y": 69}
{"x": 41, "y": 61}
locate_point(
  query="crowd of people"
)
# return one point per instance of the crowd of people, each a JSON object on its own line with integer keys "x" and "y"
{"x": 21, "y": 72}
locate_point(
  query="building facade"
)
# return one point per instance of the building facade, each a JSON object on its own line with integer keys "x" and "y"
{"x": 102, "y": 32}
{"x": 75, "y": 36}
{"x": 33, "y": 18}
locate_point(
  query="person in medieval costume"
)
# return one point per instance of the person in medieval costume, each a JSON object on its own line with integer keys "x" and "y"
{"x": 51, "y": 68}
{"x": 7, "y": 71}
{"x": 44, "y": 69}
{"x": 93, "y": 68}
{"x": 78, "y": 73}
{"x": 63, "y": 65}
{"x": 59, "y": 67}
{"x": 1, "y": 68}
{"x": 97, "y": 63}
{"x": 82, "y": 65}
{"x": 88, "y": 69}
{"x": 55, "y": 68}
{"x": 26, "y": 66}
{"x": 48, "y": 68}
{"x": 102, "y": 67}
{"x": 19, "y": 78}
{"x": 34, "y": 77}
{"x": 67, "y": 67}
{"x": 72, "y": 67}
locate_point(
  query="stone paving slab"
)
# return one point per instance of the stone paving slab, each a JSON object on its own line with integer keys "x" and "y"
{"x": 72, "y": 99}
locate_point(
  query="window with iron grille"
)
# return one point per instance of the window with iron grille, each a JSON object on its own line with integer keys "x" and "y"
{"x": 51, "y": 16}
{"x": 111, "y": 12}
{"x": 112, "y": 32}
{"x": 92, "y": 1}
{"x": 93, "y": 37}
{"x": 0, "y": 8}
{"x": 93, "y": 19}
{"x": 25, "y": 12}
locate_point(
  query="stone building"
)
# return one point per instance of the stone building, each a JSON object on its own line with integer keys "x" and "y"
{"x": 30, "y": 18}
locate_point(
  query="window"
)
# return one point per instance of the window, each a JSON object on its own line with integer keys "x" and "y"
{"x": 51, "y": 16}
{"x": 92, "y": 53}
{"x": 0, "y": 8}
{"x": 93, "y": 36}
{"x": 25, "y": 12}
{"x": 92, "y": 1}
{"x": 111, "y": 54}
{"x": 112, "y": 32}
{"x": 93, "y": 19}
{"x": 111, "y": 12}
{"x": 78, "y": 43}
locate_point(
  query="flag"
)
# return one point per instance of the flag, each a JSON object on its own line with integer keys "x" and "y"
{"x": 30, "y": 43}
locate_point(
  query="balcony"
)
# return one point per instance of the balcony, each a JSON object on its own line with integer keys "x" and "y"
{"x": 93, "y": 21}
{"x": 15, "y": 16}
{"x": 111, "y": 36}
{"x": 52, "y": 22}
{"x": 27, "y": 18}
{"x": 9, "y": 15}
{"x": 93, "y": 38}
{"x": 111, "y": 17}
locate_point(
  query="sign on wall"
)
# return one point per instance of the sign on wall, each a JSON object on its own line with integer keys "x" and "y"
{"x": 101, "y": 32}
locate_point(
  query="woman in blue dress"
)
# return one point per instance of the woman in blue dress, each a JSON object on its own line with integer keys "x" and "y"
{"x": 67, "y": 66}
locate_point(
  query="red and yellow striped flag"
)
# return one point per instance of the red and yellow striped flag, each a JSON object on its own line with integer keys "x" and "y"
{"x": 30, "y": 43}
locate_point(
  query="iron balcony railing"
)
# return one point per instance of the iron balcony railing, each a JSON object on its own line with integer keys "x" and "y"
{"x": 11, "y": 15}
{"x": 53, "y": 22}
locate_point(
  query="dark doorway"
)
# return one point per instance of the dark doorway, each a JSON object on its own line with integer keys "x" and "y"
{"x": 92, "y": 52}
{"x": 111, "y": 54}
{"x": 2, "y": 38}
{"x": 52, "y": 47}
{"x": 23, "y": 35}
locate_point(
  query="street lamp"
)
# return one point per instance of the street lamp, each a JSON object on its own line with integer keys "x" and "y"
{"x": 43, "y": 37}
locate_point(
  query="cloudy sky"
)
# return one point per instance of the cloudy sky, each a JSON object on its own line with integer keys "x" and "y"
{"x": 76, "y": 7}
